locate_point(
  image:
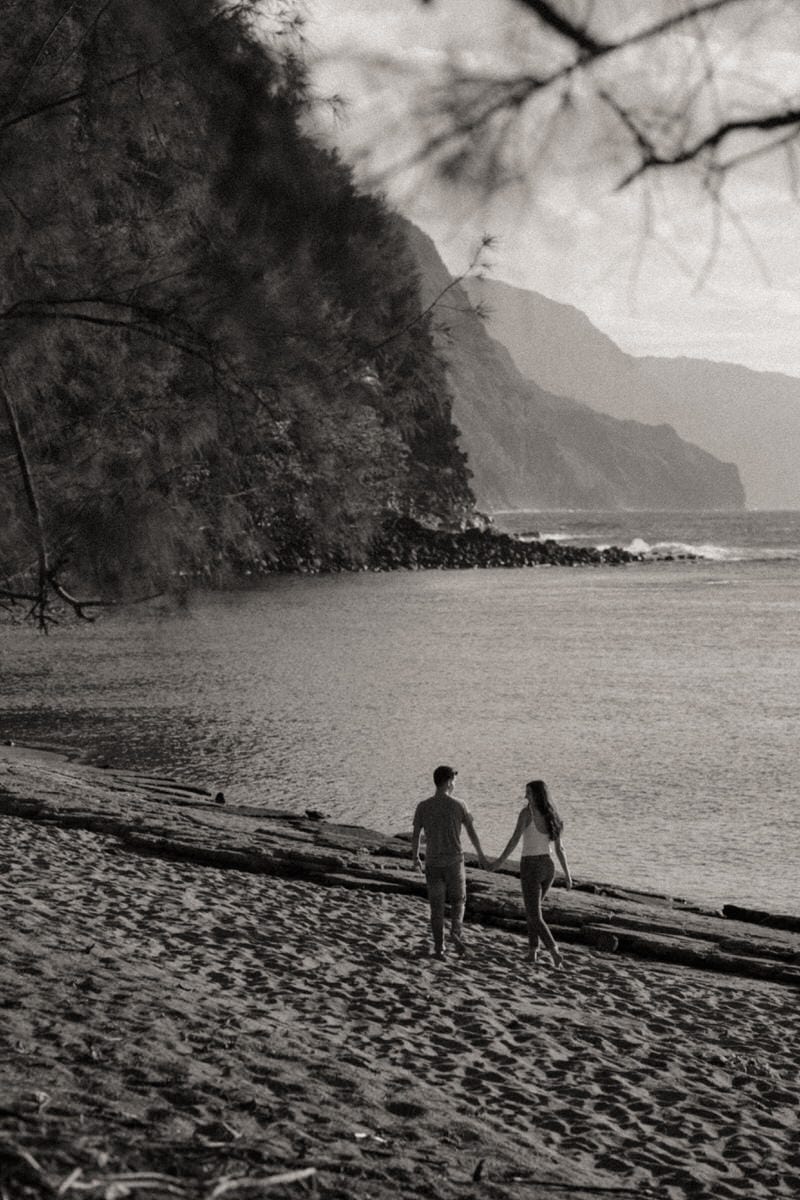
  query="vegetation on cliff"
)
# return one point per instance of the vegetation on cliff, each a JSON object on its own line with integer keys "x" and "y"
{"x": 213, "y": 356}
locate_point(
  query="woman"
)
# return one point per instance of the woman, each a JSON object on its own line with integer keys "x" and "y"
{"x": 538, "y": 825}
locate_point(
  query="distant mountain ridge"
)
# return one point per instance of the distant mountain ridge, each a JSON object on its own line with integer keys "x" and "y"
{"x": 532, "y": 448}
{"x": 748, "y": 417}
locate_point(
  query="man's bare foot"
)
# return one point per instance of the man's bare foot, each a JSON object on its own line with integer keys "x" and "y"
{"x": 459, "y": 943}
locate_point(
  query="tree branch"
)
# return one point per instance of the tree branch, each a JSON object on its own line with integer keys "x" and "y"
{"x": 42, "y": 47}
{"x": 593, "y": 48}
{"x": 162, "y": 325}
{"x": 473, "y": 101}
{"x": 29, "y": 486}
{"x": 46, "y": 574}
{"x": 549, "y": 15}
{"x": 652, "y": 159}
{"x": 107, "y": 84}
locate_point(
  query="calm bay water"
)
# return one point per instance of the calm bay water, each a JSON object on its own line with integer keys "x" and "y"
{"x": 660, "y": 701}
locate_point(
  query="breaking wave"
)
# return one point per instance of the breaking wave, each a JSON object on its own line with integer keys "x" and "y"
{"x": 715, "y": 537}
{"x": 709, "y": 552}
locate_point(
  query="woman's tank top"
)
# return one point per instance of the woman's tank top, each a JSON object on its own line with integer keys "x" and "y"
{"x": 534, "y": 841}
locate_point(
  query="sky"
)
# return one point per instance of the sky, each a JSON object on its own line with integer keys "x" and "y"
{"x": 648, "y": 264}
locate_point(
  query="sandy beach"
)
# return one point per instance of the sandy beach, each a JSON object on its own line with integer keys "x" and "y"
{"x": 174, "y": 1028}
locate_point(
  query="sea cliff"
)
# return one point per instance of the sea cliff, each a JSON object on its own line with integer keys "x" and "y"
{"x": 531, "y": 445}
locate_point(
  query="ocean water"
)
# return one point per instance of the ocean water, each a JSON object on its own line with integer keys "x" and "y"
{"x": 659, "y": 701}
{"x": 710, "y": 536}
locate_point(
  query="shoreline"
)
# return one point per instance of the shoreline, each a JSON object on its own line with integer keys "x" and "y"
{"x": 81, "y": 757}
{"x": 242, "y": 1002}
{"x": 158, "y": 817}
{"x": 404, "y": 543}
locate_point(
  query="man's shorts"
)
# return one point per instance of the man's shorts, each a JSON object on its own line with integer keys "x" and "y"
{"x": 451, "y": 874}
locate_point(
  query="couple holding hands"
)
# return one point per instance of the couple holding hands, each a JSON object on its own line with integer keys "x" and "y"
{"x": 441, "y": 818}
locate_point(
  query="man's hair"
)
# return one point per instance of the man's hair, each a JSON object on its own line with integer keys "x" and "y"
{"x": 442, "y": 774}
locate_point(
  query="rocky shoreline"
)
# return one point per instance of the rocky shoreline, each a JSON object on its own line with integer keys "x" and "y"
{"x": 408, "y": 544}
{"x": 405, "y": 544}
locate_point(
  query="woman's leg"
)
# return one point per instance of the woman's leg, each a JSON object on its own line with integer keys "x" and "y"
{"x": 536, "y": 875}
{"x": 531, "y": 897}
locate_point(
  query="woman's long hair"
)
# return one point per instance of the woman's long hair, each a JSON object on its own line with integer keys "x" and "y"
{"x": 540, "y": 798}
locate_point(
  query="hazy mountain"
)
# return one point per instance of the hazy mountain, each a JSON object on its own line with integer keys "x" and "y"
{"x": 530, "y": 448}
{"x": 748, "y": 417}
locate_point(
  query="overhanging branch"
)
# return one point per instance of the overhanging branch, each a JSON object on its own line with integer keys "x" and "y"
{"x": 26, "y": 475}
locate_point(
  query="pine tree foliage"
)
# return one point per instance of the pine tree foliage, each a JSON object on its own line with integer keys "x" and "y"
{"x": 212, "y": 356}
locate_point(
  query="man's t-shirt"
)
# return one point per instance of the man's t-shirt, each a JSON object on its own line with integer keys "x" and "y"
{"x": 441, "y": 818}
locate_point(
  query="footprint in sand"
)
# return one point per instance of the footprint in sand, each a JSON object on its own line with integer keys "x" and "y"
{"x": 447, "y": 1045}
{"x": 619, "y": 1115}
{"x": 641, "y": 1106}
{"x": 659, "y": 1062}
{"x": 666, "y": 1096}
{"x": 407, "y": 1109}
{"x": 511, "y": 1095}
{"x": 553, "y": 1124}
{"x": 613, "y": 1162}
{"x": 504, "y": 1062}
{"x": 672, "y": 1129}
{"x": 637, "y": 1078}
{"x": 180, "y": 1095}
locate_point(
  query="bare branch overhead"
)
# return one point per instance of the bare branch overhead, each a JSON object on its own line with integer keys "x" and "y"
{"x": 478, "y": 112}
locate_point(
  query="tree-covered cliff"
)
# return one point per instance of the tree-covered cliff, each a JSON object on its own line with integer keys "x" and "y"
{"x": 213, "y": 360}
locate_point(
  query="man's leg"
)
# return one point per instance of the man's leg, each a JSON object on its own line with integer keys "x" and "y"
{"x": 457, "y": 895}
{"x": 437, "y": 890}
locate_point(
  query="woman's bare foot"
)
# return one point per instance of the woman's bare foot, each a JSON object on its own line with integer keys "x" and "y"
{"x": 459, "y": 943}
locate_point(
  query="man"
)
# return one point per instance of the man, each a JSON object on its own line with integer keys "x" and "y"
{"x": 441, "y": 818}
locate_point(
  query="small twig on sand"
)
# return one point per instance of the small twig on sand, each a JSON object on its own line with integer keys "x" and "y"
{"x": 123, "y": 1185}
{"x": 595, "y": 1189}
{"x": 226, "y": 1186}
{"x": 119, "y": 1186}
{"x": 67, "y": 1183}
{"x": 18, "y": 1164}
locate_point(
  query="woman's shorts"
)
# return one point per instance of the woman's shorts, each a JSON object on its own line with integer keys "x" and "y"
{"x": 536, "y": 873}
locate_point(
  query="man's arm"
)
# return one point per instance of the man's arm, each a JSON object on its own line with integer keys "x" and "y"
{"x": 473, "y": 837}
{"x": 415, "y": 859}
{"x": 512, "y": 841}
